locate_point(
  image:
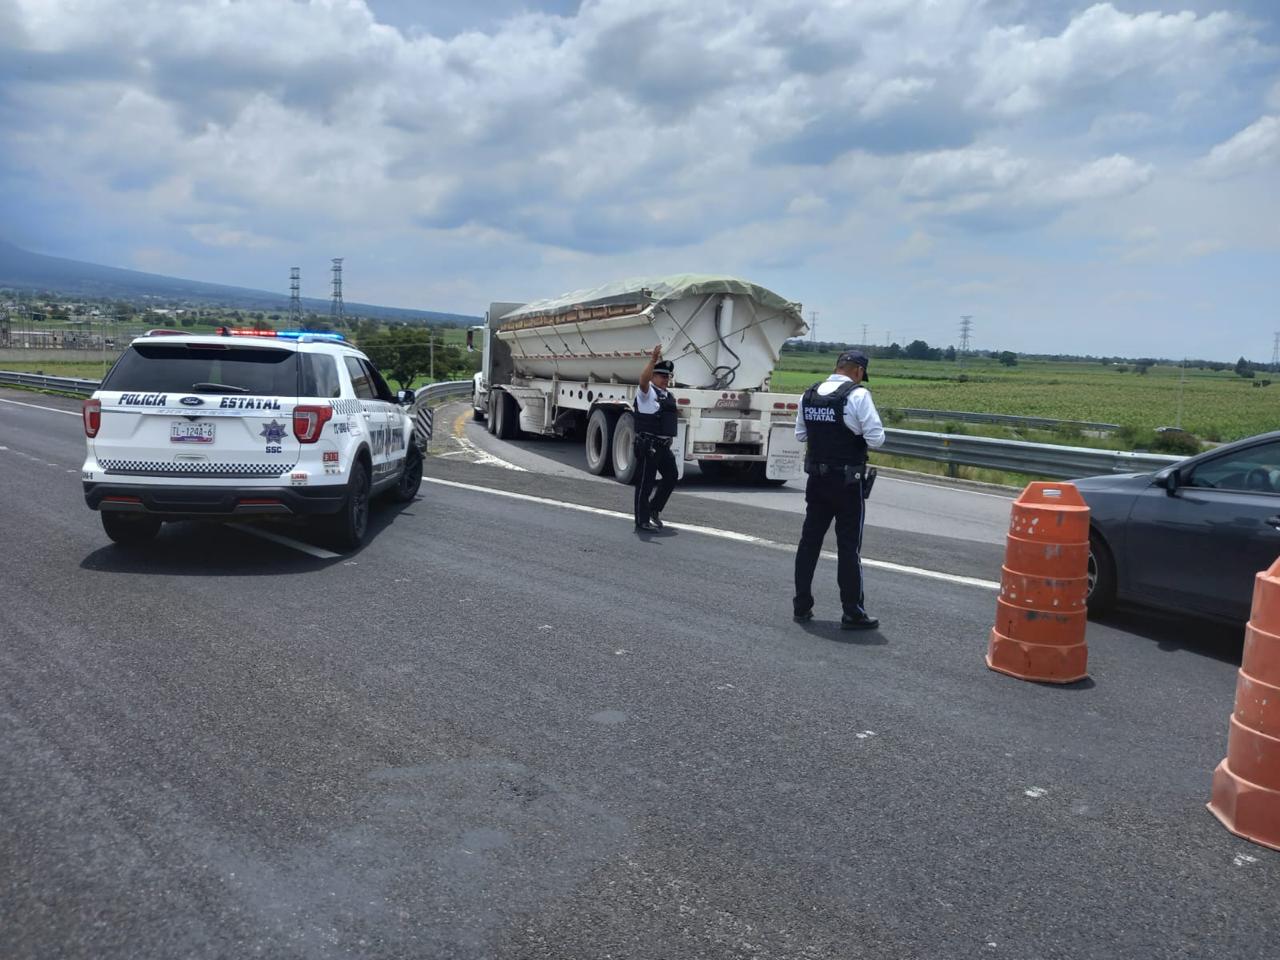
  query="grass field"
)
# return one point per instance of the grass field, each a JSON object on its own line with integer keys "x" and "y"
{"x": 1216, "y": 406}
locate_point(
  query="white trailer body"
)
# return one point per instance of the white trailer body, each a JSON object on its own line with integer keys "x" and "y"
{"x": 572, "y": 365}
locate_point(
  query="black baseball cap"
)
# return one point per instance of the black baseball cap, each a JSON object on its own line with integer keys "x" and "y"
{"x": 664, "y": 366}
{"x": 855, "y": 357}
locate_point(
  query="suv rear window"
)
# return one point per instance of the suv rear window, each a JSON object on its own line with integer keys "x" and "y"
{"x": 204, "y": 368}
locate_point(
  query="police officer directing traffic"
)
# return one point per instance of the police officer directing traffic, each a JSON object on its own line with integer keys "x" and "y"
{"x": 656, "y": 419}
{"x": 839, "y": 421}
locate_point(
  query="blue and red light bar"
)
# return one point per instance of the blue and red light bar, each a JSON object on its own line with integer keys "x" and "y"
{"x": 280, "y": 334}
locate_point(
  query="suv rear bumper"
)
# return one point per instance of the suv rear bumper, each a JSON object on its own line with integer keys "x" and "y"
{"x": 206, "y": 503}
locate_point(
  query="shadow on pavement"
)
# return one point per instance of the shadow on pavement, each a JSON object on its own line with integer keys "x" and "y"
{"x": 211, "y": 549}
{"x": 1175, "y": 632}
{"x": 830, "y": 630}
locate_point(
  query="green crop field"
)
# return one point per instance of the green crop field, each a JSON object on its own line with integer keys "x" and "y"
{"x": 1215, "y": 405}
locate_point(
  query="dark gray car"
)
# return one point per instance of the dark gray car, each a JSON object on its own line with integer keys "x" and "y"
{"x": 1189, "y": 537}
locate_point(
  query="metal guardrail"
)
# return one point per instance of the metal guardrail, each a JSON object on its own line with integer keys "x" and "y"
{"x": 1017, "y": 456}
{"x": 81, "y": 388}
{"x": 1036, "y": 423}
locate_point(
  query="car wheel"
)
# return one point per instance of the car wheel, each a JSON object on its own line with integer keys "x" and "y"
{"x": 410, "y": 475}
{"x": 1102, "y": 576}
{"x": 349, "y": 525}
{"x": 127, "y": 529}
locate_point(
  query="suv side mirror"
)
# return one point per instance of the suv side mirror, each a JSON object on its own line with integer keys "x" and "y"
{"x": 1169, "y": 480}
{"x": 404, "y": 397}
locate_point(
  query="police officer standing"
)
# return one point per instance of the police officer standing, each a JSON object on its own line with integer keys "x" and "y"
{"x": 656, "y": 420}
{"x": 839, "y": 421}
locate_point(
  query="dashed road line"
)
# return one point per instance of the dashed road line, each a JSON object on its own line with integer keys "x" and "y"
{"x": 719, "y": 533}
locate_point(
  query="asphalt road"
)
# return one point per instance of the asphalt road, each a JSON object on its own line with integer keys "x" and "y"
{"x": 512, "y": 728}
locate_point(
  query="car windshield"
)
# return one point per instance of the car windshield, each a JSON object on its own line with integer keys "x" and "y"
{"x": 205, "y": 368}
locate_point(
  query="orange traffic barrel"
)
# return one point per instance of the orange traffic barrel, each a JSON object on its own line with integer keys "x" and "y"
{"x": 1040, "y": 613}
{"x": 1246, "y": 785}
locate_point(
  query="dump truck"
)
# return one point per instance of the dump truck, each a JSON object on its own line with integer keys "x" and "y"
{"x": 570, "y": 366}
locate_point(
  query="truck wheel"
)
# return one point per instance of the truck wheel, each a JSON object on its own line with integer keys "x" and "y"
{"x": 757, "y": 474}
{"x": 347, "y": 527}
{"x": 410, "y": 476}
{"x": 624, "y": 448}
{"x": 478, "y": 412}
{"x": 129, "y": 529}
{"x": 508, "y": 426}
{"x": 491, "y": 420}
{"x": 599, "y": 441}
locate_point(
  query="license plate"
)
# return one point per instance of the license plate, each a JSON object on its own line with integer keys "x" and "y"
{"x": 191, "y": 432}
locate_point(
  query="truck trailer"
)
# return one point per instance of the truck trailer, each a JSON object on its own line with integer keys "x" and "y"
{"x": 570, "y": 366}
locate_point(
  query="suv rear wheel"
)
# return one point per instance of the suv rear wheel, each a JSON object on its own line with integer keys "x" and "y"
{"x": 126, "y": 528}
{"x": 410, "y": 476}
{"x": 348, "y": 526}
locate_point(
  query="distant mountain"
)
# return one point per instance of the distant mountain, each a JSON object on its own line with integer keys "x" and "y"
{"x": 23, "y": 270}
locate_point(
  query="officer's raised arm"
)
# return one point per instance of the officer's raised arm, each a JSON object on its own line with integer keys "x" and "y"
{"x": 646, "y": 375}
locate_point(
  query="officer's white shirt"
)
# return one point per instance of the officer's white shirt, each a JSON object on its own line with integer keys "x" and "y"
{"x": 647, "y": 400}
{"x": 860, "y": 414}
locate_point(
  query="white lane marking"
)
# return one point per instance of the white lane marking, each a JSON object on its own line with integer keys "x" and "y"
{"x": 485, "y": 457}
{"x": 36, "y": 406}
{"x": 1035, "y": 793}
{"x": 1243, "y": 859}
{"x": 286, "y": 541}
{"x": 721, "y": 534}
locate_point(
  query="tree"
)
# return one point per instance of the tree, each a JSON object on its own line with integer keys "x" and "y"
{"x": 1008, "y": 358}
{"x": 917, "y": 350}
{"x": 950, "y": 355}
{"x": 1243, "y": 369}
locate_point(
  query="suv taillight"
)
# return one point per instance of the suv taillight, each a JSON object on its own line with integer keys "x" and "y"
{"x": 92, "y": 413}
{"x": 309, "y": 421}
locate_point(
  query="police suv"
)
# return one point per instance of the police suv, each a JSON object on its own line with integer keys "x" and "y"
{"x": 245, "y": 424}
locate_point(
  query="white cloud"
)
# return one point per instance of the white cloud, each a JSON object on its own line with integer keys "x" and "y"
{"x": 1020, "y": 72}
{"x": 631, "y": 135}
{"x": 1255, "y": 147}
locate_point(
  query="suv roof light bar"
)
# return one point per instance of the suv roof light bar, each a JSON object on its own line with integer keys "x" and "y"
{"x": 303, "y": 336}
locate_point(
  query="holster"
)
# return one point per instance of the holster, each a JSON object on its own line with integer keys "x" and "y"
{"x": 868, "y": 481}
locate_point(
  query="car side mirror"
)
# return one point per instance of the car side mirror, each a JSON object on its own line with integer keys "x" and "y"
{"x": 1169, "y": 481}
{"x": 404, "y": 397}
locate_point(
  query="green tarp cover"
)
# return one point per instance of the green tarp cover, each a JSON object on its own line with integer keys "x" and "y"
{"x": 658, "y": 289}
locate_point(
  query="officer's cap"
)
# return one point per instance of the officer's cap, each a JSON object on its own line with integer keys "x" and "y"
{"x": 855, "y": 357}
{"x": 664, "y": 366}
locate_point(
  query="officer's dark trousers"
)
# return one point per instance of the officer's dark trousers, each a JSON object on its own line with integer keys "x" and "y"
{"x": 827, "y": 498}
{"x": 651, "y": 460}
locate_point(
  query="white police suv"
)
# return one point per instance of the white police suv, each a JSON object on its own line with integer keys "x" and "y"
{"x": 245, "y": 424}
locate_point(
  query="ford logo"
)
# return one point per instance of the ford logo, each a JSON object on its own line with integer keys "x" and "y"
{"x": 191, "y": 402}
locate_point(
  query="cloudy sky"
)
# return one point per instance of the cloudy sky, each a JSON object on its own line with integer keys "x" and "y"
{"x": 1089, "y": 178}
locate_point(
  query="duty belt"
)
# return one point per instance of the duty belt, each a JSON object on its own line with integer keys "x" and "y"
{"x": 655, "y": 439}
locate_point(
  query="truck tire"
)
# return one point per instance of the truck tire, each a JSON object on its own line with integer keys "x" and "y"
{"x": 478, "y": 412}
{"x": 508, "y": 425}
{"x": 129, "y": 529}
{"x": 599, "y": 441}
{"x": 624, "y": 448}
{"x": 491, "y": 423}
{"x": 757, "y": 475}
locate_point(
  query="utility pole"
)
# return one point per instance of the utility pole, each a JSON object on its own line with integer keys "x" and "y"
{"x": 966, "y": 325}
{"x": 813, "y": 326}
{"x": 1182, "y": 382}
{"x": 1275, "y": 353}
{"x": 865, "y": 342}
{"x": 431, "y": 340}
